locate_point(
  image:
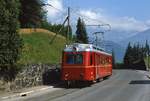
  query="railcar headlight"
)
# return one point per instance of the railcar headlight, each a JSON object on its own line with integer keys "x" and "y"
{"x": 66, "y": 75}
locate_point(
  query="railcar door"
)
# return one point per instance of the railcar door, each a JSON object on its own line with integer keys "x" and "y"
{"x": 96, "y": 66}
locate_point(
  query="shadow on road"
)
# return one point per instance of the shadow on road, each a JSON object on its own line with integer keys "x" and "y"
{"x": 52, "y": 77}
{"x": 140, "y": 82}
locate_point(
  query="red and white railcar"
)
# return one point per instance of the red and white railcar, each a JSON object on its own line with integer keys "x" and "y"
{"x": 85, "y": 62}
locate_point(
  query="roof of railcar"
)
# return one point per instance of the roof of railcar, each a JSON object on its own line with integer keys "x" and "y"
{"x": 84, "y": 47}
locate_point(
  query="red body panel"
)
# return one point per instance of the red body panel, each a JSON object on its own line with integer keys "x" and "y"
{"x": 95, "y": 65}
{"x": 81, "y": 74}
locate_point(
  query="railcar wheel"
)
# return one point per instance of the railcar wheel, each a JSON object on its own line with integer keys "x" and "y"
{"x": 106, "y": 77}
{"x": 93, "y": 82}
{"x": 67, "y": 84}
{"x": 98, "y": 80}
{"x": 88, "y": 83}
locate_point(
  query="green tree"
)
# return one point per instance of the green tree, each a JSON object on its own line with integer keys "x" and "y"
{"x": 70, "y": 33}
{"x": 128, "y": 56}
{"x": 56, "y": 27}
{"x": 81, "y": 33}
{"x": 147, "y": 48}
{"x": 31, "y": 13}
{"x": 136, "y": 52}
{"x": 135, "y": 55}
{"x": 46, "y": 25}
{"x": 10, "y": 41}
{"x": 113, "y": 59}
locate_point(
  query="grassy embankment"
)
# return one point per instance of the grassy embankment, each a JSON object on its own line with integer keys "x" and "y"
{"x": 37, "y": 47}
{"x": 147, "y": 61}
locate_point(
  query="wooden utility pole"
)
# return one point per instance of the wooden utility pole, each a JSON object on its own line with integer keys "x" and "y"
{"x": 67, "y": 20}
{"x": 68, "y": 30}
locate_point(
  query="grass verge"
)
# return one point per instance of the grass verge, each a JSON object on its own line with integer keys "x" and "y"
{"x": 37, "y": 48}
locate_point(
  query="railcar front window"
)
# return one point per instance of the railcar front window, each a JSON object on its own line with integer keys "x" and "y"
{"x": 74, "y": 59}
{"x": 70, "y": 59}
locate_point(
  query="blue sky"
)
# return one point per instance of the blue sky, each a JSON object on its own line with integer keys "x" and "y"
{"x": 134, "y": 8}
{"x": 124, "y": 15}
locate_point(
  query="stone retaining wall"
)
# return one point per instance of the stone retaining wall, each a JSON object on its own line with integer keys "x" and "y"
{"x": 33, "y": 75}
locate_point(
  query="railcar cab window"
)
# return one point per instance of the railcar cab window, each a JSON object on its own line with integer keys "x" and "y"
{"x": 74, "y": 59}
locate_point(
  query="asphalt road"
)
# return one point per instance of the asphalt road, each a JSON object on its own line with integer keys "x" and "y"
{"x": 124, "y": 85}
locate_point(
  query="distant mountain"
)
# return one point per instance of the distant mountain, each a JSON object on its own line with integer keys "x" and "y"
{"x": 117, "y": 36}
{"x": 113, "y": 35}
{"x": 140, "y": 37}
{"x": 118, "y": 49}
{"x": 120, "y": 40}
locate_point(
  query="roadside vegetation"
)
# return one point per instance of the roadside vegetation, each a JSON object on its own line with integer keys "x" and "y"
{"x": 136, "y": 56}
{"x": 147, "y": 61}
{"x": 10, "y": 41}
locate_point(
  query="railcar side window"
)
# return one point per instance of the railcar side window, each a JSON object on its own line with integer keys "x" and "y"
{"x": 79, "y": 59}
{"x": 74, "y": 59}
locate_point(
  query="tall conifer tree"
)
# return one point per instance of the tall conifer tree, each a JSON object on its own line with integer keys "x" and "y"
{"x": 81, "y": 32}
{"x": 31, "y": 13}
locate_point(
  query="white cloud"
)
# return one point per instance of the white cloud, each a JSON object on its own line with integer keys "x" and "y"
{"x": 148, "y": 22}
{"x": 54, "y": 13}
{"x": 91, "y": 16}
{"x": 117, "y": 23}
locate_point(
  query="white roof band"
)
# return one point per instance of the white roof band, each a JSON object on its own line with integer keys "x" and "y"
{"x": 84, "y": 47}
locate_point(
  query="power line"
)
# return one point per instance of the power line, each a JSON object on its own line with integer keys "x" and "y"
{"x": 75, "y": 12}
{"x": 62, "y": 14}
{"x": 50, "y": 5}
{"x": 67, "y": 19}
{"x": 47, "y": 4}
{"x": 86, "y": 17}
{"x": 100, "y": 25}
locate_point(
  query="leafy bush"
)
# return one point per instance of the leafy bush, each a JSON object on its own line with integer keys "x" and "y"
{"x": 10, "y": 41}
